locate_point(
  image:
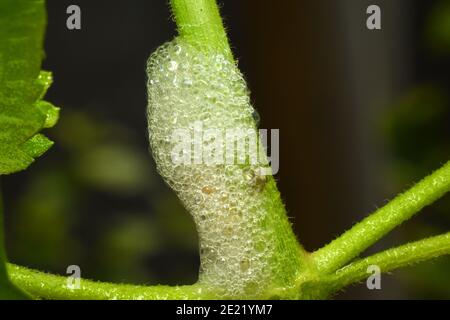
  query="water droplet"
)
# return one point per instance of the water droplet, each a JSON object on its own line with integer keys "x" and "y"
{"x": 208, "y": 190}
{"x": 173, "y": 65}
{"x": 256, "y": 117}
{"x": 260, "y": 246}
{"x": 244, "y": 265}
{"x": 178, "y": 49}
{"x": 228, "y": 231}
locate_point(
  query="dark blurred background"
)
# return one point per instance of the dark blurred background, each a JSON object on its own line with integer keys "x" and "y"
{"x": 362, "y": 115}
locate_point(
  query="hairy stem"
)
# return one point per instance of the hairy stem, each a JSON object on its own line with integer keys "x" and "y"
{"x": 262, "y": 255}
{"x": 199, "y": 23}
{"x": 47, "y": 286}
{"x": 371, "y": 229}
{"x": 391, "y": 259}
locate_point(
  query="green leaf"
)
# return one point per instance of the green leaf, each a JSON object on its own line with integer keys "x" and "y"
{"x": 22, "y": 85}
{"x": 22, "y": 112}
{"x": 37, "y": 145}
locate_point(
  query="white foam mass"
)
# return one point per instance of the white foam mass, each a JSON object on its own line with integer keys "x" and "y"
{"x": 186, "y": 85}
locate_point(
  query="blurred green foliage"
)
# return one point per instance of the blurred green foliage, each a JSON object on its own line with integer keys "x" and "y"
{"x": 437, "y": 29}
{"x": 98, "y": 202}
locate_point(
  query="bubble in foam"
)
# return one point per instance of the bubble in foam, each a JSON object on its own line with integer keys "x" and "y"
{"x": 186, "y": 85}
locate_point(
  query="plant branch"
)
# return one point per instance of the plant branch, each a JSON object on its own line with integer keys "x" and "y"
{"x": 391, "y": 259}
{"x": 199, "y": 22}
{"x": 371, "y": 229}
{"x": 48, "y": 286}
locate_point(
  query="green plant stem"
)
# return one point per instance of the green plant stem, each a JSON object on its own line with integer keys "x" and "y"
{"x": 391, "y": 259}
{"x": 350, "y": 244}
{"x": 199, "y": 22}
{"x": 47, "y": 286}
